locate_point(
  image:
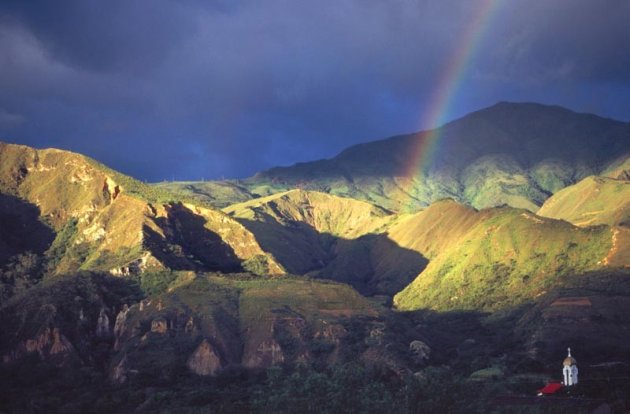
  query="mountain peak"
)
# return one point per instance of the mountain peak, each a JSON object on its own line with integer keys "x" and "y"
{"x": 547, "y": 146}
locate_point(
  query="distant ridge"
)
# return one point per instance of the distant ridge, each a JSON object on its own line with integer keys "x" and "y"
{"x": 510, "y": 153}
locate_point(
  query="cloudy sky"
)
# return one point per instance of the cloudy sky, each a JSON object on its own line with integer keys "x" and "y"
{"x": 192, "y": 89}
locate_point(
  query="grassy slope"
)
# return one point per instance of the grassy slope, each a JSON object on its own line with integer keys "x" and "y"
{"x": 217, "y": 193}
{"x": 489, "y": 259}
{"x": 300, "y": 228}
{"x": 337, "y": 216}
{"x": 496, "y": 258}
{"x": 496, "y": 180}
{"x": 592, "y": 201}
{"x": 331, "y": 237}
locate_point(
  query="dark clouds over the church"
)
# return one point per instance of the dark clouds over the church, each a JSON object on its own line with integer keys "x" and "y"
{"x": 190, "y": 89}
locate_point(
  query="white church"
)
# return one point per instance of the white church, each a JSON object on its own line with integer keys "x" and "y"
{"x": 569, "y": 370}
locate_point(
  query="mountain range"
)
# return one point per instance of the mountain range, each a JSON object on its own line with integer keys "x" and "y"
{"x": 511, "y": 153}
{"x": 507, "y": 244}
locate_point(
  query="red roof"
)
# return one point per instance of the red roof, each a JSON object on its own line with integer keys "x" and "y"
{"x": 551, "y": 388}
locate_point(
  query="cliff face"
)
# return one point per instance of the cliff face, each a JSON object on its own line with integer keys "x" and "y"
{"x": 204, "y": 361}
{"x": 201, "y": 325}
{"x": 253, "y": 324}
{"x": 64, "y": 322}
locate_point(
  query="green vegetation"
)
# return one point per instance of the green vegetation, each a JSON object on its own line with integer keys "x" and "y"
{"x": 64, "y": 239}
{"x": 258, "y": 265}
{"x": 23, "y": 271}
{"x": 156, "y": 282}
{"x": 219, "y": 194}
{"x": 504, "y": 260}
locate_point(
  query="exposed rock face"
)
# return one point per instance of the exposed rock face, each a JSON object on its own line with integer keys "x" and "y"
{"x": 332, "y": 334}
{"x": 420, "y": 351}
{"x": 119, "y": 373}
{"x": 159, "y": 325}
{"x": 137, "y": 266}
{"x": 102, "y": 325}
{"x": 190, "y": 325}
{"x": 110, "y": 189}
{"x": 48, "y": 343}
{"x": 377, "y": 334}
{"x": 204, "y": 361}
{"x": 120, "y": 320}
{"x": 60, "y": 344}
{"x": 120, "y": 326}
{"x": 267, "y": 353}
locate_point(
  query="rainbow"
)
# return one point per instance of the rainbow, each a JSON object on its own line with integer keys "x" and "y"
{"x": 424, "y": 148}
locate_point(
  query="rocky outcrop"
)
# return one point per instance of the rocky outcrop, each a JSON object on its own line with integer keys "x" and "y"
{"x": 110, "y": 189}
{"x": 159, "y": 325}
{"x": 50, "y": 342}
{"x": 119, "y": 372}
{"x": 121, "y": 318}
{"x": 421, "y": 352}
{"x": 204, "y": 361}
{"x": 120, "y": 326}
{"x": 267, "y": 353}
{"x": 331, "y": 336}
{"x": 102, "y": 325}
{"x": 137, "y": 266}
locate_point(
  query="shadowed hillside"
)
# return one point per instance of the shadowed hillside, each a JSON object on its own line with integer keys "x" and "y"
{"x": 330, "y": 237}
{"x": 22, "y": 229}
{"x": 92, "y": 336}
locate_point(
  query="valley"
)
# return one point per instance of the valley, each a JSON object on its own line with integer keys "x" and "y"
{"x": 474, "y": 273}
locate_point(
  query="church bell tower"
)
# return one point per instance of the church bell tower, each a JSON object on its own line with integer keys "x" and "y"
{"x": 569, "y": 370}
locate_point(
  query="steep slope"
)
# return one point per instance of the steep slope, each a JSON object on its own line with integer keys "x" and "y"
{"x": 496, "y": 258}
{"x": 107, "y": 221}
{"x": 511, "y": 153}
{"x": 592, "y": 201}
{"x": 330, "y": 237}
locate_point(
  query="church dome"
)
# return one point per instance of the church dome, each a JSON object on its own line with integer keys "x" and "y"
{"x": 569, "y": 361}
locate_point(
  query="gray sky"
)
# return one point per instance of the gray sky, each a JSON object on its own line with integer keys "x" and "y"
{"x": 193, "y": 89}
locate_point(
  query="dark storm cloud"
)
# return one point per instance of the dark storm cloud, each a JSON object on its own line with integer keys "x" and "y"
{"x": 580, "y": 40}
{"x": 102, "y": 36}
{"x": 189, "y": 90}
